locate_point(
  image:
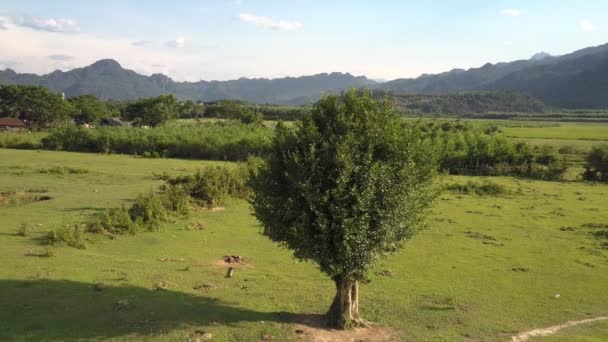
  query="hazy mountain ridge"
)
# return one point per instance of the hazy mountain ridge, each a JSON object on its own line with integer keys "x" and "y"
{"x": 106, "y": 79}
{"x": 575, "y": 80}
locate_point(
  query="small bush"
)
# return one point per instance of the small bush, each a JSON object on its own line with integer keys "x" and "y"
{"x": 213, "y": 185}
{"x": 115, "y": 221}
{"x": 148, "y": 211}
{"x": 24, "y": 229}
{"x": 176, "y": 200}
{"x": 485, "y": 188}
{"x": 596, "y": 164}
{"x": 70, "y": 236}
{"x": 63, "y": 170}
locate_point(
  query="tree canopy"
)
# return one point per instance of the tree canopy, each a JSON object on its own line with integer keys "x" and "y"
{"x": 348, "y": 186}
{"x": 153, "y": 111}
{"x": 89, "y": 109}
{"x": 35, "y": 105}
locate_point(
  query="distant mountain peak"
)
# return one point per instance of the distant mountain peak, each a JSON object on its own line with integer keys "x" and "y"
{"x": 106, "y": 64}
{"x": 541, "y": 56}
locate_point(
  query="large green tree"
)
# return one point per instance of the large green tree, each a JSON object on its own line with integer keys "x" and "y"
{"x": 348, "y": 186}
{"x": 89, "y": 109}
{"x": 35, "y": 105}
{"x": 153, "y": 111}
{"x": 191, "y": 110}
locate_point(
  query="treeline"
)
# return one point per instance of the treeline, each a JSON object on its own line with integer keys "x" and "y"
{"x": 236, "y": 109}
{"x": 462, "y": 148}
{"x": 213, "y": 141}
{"x": 472, "y": 104}
{"x": 40, "y": 108}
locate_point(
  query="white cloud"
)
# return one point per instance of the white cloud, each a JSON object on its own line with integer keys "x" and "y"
{"x": 41, "y": 52}
{"x": 507, "y": 43}
{"x": 3, "y": 24}
{"x": 268, "y": 23}
{"x": 511, "y": 12}
{"x": 178, "y": 43}
{"x": 48, "y": 24}
{"x": 587, "y": 25}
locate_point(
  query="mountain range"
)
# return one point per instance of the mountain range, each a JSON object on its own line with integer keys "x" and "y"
{"x": 575, "y": 80}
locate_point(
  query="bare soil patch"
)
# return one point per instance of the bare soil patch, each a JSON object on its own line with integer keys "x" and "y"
{"x": 311, "y": 328}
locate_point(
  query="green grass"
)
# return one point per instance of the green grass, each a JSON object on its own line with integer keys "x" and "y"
{"x": 486, "y": 268}
{"x": 567, "y": 131}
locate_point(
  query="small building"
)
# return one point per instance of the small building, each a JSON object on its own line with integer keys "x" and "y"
{"x": 112, "y": 122}
{"x": 11, "y": 124}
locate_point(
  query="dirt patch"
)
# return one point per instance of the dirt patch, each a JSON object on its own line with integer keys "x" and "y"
{"x": 233, "y": 261}
{"x": 311, "y": 329}
{"x": 524, "y": 336}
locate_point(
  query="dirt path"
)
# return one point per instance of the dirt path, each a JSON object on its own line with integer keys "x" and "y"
{"x": 524, "y": 336}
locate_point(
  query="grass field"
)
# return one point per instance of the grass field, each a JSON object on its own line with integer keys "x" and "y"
{"x": 487, "y": 268}
{"x": 567, "y": 131}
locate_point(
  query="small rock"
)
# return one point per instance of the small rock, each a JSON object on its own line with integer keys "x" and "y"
{"x": 299, "y": 331}
{"x": 267, "y": 337}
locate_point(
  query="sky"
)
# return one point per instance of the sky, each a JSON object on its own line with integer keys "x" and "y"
{"x": 227, "y": 39}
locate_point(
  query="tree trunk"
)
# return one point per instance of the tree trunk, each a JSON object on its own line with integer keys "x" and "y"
{"x": 344, "y": 310}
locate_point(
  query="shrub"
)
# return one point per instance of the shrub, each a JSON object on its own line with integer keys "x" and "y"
{"x": 70, "y": 236}
{"x": 596, "y": 164}
{"x": 115, "y": 220}
{"x": 148, "y": 211}
{"x": 176, "y": 200}
{"x": 62, "y": 170}
{"x": 213, "y": 185}
{"x": 24, "y": 229}
{"x": 485, "y": 188}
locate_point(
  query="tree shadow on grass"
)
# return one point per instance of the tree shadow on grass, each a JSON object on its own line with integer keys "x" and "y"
{"x": 67, "y": 310}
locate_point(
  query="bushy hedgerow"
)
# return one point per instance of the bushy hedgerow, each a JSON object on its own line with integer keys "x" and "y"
{"x": 213, "y": 141}
{"x": 485, "y": 188}
{"x": 477, "y": 153}
{"x": 213, "y": 185}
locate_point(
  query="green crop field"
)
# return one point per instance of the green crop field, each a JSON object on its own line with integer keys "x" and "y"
{"x": 567, "y": 131}
{"x": 487, "y": 268}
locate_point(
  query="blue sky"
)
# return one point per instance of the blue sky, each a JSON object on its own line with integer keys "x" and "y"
{"x": 227, "y": 39}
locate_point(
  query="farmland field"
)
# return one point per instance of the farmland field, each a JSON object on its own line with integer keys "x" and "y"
{"x": 487, "y": 268}
{"x": 567, "y": 131}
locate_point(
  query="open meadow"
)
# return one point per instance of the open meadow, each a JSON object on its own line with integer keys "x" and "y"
{"x": 488, "y": 267}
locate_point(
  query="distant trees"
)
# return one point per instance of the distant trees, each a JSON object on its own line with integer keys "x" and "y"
{"x": 469, "y": 104}
{"x": 35, "y": 105}
{"x": 191, "y": 110}
{"x": 89, "y": 109}
{"x": 347, "y": 187}
{"x": 596, "y": 164}
{"x": 152, "y": 111}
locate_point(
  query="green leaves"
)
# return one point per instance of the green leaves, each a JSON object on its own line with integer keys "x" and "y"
{"x": 347, "y": 186}
{"x": 153, "y": 111}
